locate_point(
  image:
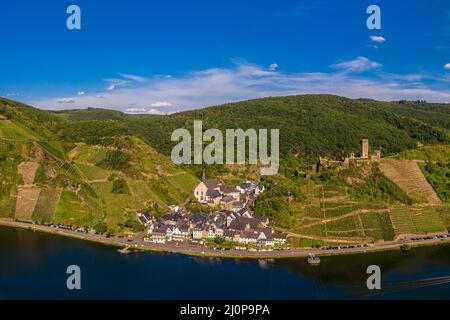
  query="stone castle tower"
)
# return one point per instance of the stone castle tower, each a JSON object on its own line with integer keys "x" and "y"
{"x": 364, "y": 153}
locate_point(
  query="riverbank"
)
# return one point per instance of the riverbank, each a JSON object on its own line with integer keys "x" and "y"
{"x": 200, "y": 251}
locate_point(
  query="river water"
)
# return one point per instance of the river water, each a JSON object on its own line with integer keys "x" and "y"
{"x": 33, "y": 266}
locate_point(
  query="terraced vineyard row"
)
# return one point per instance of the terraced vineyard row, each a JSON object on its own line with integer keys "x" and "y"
{"x": 418, "y": 220}
{"x": 408, "y": 176}
{"x": 331, "y": 214}
{"x": 71, "y": 170}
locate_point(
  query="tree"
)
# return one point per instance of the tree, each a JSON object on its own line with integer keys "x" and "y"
{"x": 101, "y": 227}
{"x": 120, "y": 186}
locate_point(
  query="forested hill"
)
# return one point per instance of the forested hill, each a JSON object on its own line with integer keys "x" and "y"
{"x": 93, "y": 173}
{"x": 309, "y": 124}
{"x": 96, "y": 167}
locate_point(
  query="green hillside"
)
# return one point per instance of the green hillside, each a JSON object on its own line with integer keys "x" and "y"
{"x": 434, "y": 161}
{"x": 100, "y": 164}
{"x": 62, "y": 171}
{"x": 310, "y": 125}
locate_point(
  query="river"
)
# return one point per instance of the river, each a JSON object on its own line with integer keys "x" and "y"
{"x": 33, "y": 266}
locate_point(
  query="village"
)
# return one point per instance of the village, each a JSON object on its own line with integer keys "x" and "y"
{"x": 230, "y": 221}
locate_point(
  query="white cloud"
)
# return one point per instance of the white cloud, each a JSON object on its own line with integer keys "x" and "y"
{"x": 144, "y": 111}
{"x": 378, "y": 39}
{"x": 360, "y": 64}
{"x": 136, "y": 110}
{"x": 248, "y": 81}
{"x": 65, "y": 100}
{"x": 133, "y": 77}
{"x": 154, "y": 111}
{"x": 447, "y": 66}
{"x": 126, "y": 81}
{"x": 160, "y": 104}
{"x": 81, "y": 93}
{"x": 251, "y": 69}
{"x": 273, "y": 66}
{"x": 116, "y": 83}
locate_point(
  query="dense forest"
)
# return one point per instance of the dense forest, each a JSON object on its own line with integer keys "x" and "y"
{"x": 310, "y": 125}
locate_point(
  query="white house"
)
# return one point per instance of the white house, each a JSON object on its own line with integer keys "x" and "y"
{"x": 230, "y": 218}
{"x": 218, "y": 232}
{"x": 180, "y": 233}
{"x": 269, "y": 242}
{"x": 259, "y": 189}
{"x": 248, "y": 237}
{"x": 169, "y": 232}
{"x": 150, "y": 228}
{"x": 197, "y": 233}
{"x": 279, "y": 238}
{"x": 159, "y": 235}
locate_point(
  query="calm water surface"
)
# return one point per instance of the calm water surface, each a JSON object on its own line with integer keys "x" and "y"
{"x": 33, "y": 266}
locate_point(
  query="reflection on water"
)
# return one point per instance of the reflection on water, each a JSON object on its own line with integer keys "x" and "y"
{"x": 32, "y": 265}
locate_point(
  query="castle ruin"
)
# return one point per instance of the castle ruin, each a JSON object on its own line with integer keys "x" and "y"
{"x": 363, "y": 156}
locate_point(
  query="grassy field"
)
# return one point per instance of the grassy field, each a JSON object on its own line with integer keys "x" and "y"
{"x": 402, "y": 220}
{"x": 93, "y": 172}
{"x": 444, "y": 215}
{"x": 152, "y": 177}
{"x": 10, "y": 176}
{"x": 97, "y": 202}
{"x": 7, "y": 206}
{"x": 71, "y": 210}
{"x": 14, "y": 131}
{"x": 142, "y": 192}
{"x": 55, "y": 148}
{"x": 46, "y": 205}
{"x": 378, "y": 226}
{"x": 93, "y": 201}
{"x": 330, "y": 214}
{"x": 27, "y": 198}
{"x": 114, "y": 204}
{"x": 184, "y": 181}
{"x": 439, "y": 153}
{"x": 426, "y": 220}
{"x": 87, "y": 154}
{"x": 343, "y": 219}
{"x": 416, "y": 220}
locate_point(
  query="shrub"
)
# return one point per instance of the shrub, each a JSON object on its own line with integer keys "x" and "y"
{"x": 101, "y": 227}
{"x": 115, "y": 160}
{"x": 120, "y": 186}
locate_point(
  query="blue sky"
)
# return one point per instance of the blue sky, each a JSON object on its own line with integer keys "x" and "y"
{"x": 165, "y": 56}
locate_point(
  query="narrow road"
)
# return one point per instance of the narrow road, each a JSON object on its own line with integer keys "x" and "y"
{"x": 197, "y": 250}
